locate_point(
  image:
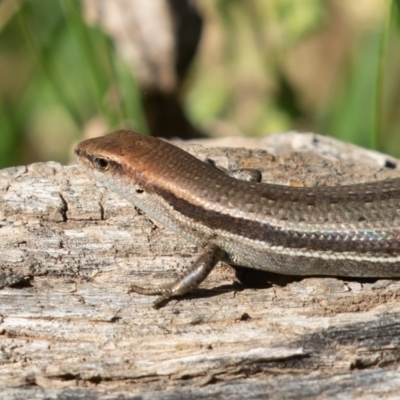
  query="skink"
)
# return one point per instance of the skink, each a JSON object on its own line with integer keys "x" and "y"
{"x": 349, "y": 230}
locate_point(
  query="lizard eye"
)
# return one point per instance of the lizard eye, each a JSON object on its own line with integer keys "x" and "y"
{"x": 101, "y": 163}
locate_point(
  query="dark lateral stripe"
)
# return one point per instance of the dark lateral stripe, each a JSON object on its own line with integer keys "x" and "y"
{"x": 261, "y": 231}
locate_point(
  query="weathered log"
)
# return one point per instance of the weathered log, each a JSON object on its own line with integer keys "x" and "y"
{"x": 68, "y": 327}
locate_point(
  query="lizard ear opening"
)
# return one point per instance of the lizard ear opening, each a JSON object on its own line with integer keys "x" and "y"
{"x": 101, "y": 163}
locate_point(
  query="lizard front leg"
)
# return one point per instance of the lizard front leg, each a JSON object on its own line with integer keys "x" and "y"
{"x": 190, "y": 280}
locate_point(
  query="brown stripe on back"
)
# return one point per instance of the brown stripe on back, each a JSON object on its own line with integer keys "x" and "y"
{"x": 263, "y": 231}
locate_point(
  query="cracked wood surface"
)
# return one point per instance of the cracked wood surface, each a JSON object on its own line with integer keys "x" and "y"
{"x": 69, "y": 249}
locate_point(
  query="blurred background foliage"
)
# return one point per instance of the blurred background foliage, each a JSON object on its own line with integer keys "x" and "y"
{"x": 327, "y": 66}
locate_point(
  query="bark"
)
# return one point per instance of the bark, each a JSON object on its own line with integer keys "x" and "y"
{"x": 68, "y": 326}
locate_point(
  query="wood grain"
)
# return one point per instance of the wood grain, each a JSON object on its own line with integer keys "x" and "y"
{"x": 69, "y": 249}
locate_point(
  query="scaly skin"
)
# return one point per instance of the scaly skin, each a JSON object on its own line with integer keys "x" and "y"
{"x": 343, "y": 231}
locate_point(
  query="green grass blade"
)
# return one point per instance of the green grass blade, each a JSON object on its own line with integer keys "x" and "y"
{"x": 382, "y": 62}
{"x": 40, "y": 54}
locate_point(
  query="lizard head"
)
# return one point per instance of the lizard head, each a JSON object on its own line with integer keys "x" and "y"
{"x": 119, "y": 154}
